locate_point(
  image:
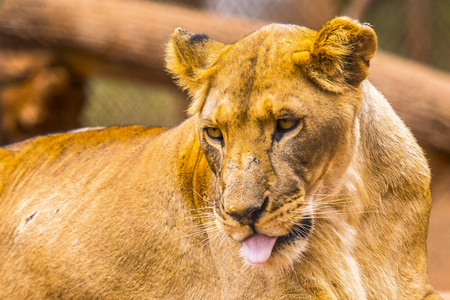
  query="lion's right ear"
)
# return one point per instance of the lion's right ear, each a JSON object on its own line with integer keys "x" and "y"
{"x": 339, "y": 54}
{"x": 189, "y": 57}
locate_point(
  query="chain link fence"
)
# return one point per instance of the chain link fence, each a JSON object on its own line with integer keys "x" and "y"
{"x": 121, "y": 102}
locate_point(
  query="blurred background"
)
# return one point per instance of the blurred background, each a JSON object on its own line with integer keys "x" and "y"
{"x": 71, "y": 64}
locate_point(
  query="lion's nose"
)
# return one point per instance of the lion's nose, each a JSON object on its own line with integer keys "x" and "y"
{"x": 246, "y": 215}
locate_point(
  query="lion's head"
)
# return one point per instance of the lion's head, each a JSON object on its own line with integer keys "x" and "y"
{"x": 276, "y": 121}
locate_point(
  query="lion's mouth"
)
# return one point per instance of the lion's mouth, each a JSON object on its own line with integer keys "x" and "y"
{"x": 258, "y": 248}
{"x": 299, "y": 231}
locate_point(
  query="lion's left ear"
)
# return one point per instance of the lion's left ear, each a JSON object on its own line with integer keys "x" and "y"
{"x": 339, "y": 54}
{"x": 189, "y": 56}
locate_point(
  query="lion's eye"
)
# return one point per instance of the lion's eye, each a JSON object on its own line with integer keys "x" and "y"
{"x": 214, "y": 133}
{"x": 287, "y": 124}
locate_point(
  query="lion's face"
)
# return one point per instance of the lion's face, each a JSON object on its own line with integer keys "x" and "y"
{"x": 276, "y": 137}
{"x": 272, "y": 138}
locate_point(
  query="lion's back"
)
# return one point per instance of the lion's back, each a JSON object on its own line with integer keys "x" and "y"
{"x": 93, "y": 199}
{"x": 27, "y": 158}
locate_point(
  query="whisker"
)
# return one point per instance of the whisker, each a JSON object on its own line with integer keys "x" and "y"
{"x": 209, "y": 238}
{"x": 301, "y": 228}
{"x": 197, "y": 232}
{"x": 245, "y": 266}
{"x": 205, "y": 210}
{"x": 203, "y": 214}
{"x": 204, "y": 224}
{"x": 334, "y": 201}
{"x": 333, "y": 212}
{"x": 202, "y": 197}
{"x": 201, "y": 230}
{"x": 326, "y": 196}
{"x": 217, "y": 233}
{"x": 224, "y": 237}
{"x": 205, "y": 217}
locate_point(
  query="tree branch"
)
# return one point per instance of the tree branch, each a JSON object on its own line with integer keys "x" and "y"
{"x": 127, "y": 38}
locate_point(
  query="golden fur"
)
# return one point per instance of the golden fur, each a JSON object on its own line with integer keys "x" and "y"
{"x": 285, "y": 138}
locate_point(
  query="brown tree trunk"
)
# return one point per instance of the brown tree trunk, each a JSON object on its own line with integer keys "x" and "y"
{"x": 128, "y": 35}
{"x": 418, "y": 93}
{"x": 127, "y": 38}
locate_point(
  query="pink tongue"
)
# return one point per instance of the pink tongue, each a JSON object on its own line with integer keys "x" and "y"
{"x": 258, "y": 247}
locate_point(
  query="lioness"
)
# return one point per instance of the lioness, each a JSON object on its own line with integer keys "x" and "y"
{"x": 292, "y": 179}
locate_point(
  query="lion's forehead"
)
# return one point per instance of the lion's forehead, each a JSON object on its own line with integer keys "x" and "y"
{"x": 260, "y": 59}
{"x": 256, "y": 81}
{"x": 279, "y": 38}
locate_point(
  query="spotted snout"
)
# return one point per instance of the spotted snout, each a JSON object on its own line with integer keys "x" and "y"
{"x": 245, "y": 183}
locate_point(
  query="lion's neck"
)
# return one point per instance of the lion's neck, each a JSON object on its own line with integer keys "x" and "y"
{"x": 381, "y": 207}
{"x": 388, "y": 182}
